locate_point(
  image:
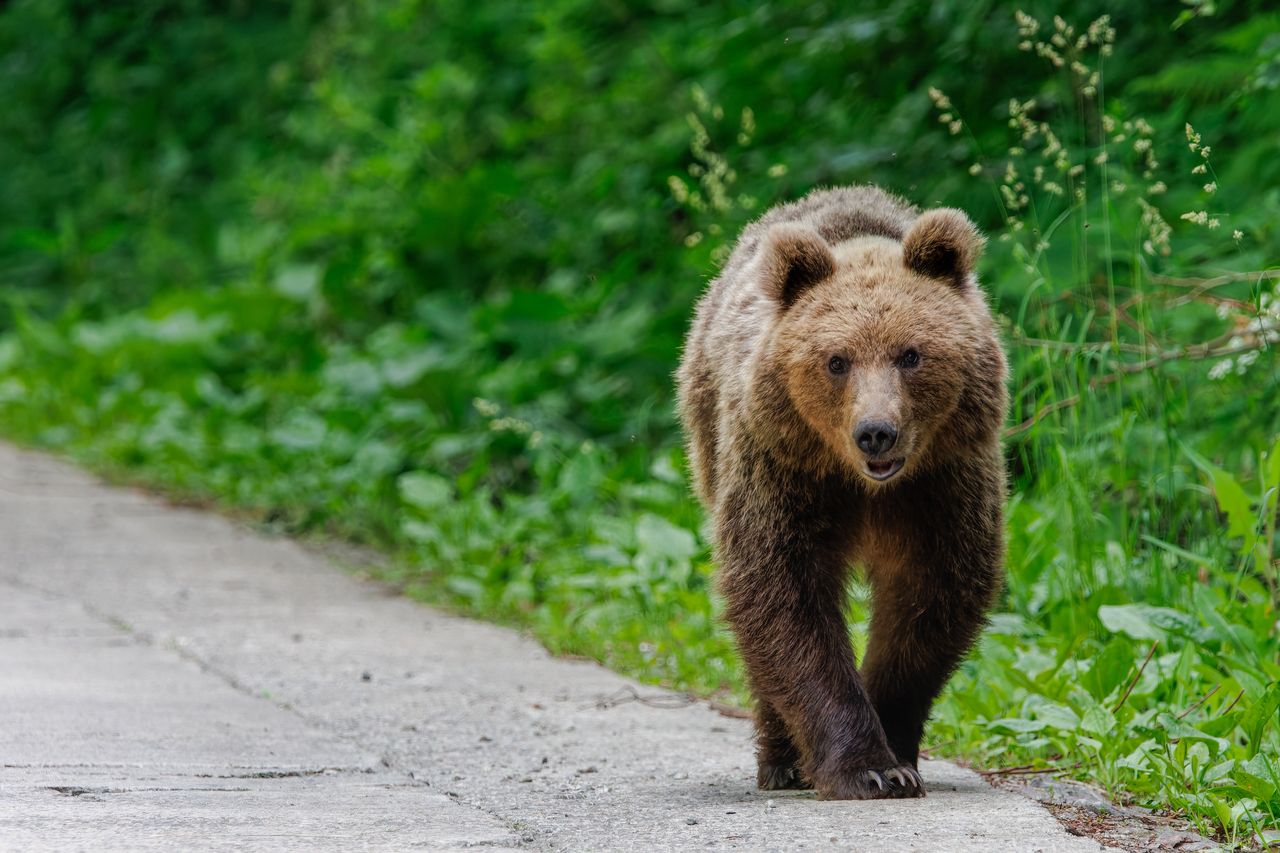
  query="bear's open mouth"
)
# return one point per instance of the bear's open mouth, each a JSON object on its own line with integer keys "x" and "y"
{"x": 883, "y": 470}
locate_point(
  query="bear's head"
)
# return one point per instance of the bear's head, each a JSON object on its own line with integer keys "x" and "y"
{"x": 886, "y": 348}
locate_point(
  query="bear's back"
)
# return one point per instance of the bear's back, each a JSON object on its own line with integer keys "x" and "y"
{"x": 836, "y": 213}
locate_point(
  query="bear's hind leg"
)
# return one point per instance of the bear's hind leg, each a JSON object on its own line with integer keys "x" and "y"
{"x": 777, "y": 757}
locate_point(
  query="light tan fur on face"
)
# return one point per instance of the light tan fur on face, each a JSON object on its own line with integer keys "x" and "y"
{"x": 881, "y": 276}
{"x": 869, "y": 312}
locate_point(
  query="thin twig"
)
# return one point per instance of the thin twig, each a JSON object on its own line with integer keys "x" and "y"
{"x": 1086, "y": 347}
{"x": 1151, "y": 651}
{"x": 1030, "y": 769}
{"x": 726, "y": 710}
{"x": 669, "y": 701}
{"x": 655, "y": 700}
{"x": 1200, "y": 352}
{"x": 1203, "y": 699}
{"x": 1216, "y": 281}
{"x": 1042, "y": 413}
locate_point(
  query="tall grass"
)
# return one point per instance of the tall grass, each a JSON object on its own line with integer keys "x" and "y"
{"x": 1139, "y": 646}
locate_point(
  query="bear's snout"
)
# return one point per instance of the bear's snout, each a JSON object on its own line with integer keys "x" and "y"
{"x": 875, "y": 437}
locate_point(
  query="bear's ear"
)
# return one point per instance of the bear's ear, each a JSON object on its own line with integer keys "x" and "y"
{"x": 943, "y": 243}
{"x": 794, "y": 259}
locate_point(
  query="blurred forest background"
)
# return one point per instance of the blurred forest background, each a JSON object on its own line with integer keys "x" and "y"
{"x": 416, "y": 274}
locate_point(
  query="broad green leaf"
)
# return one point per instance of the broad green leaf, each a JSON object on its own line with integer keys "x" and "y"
{"x": 1223, "y": 812}
{"x": 1098, "y": 720}
{"x": 298, "y": 281}
{"x": 659, "y": 538}
{"x": 1255, "y": 776}
{"x": 1058, "y": 716}
{"x": 301, "y": 431}
{"x": 1221, "y": 725}
{"x": 1260, "y": 713}
{"x": 419, "y": 531}
{"x": 424, "y": 491}
{"x": 1231, "y": 498}
{"x": 1110, "y": 668}
{"x": 1145, "y": 621}
{"x": 1016, "y": 725}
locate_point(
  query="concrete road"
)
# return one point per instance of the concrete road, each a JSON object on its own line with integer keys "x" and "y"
{"x": 171, "y": 681}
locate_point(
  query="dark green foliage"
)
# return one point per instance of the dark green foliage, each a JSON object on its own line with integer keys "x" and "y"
{"x": 417, "y": 274}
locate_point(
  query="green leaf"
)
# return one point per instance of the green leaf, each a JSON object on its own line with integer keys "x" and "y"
{"x": 419, "y": 531}
{"x": 298, "y": 281}
{"x": 1260, "y": 713}
{"x": 1098, "y": 720}
{"x": 1256, "y": 776}
{"x": 1223, "y": 811}
{"x": 659, "y": 538}
{"x": 1016, "y": 725}
{"x": 1222, "y": 725}
{"x": 1145, "y": 621}
{"x": 1058, "y": 716}
{"x": 1109, "y": 669}
{"x": 426, "y": 491}
{"x": 301, "y": 431}
{"x": 466, "y": 587}
{"x": 1231, "y": 498}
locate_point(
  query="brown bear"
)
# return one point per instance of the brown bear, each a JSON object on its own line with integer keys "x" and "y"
{"x": 843, "y": 391}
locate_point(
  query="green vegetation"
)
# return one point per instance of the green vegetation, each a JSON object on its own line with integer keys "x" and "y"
{"x": 417, "y": 273}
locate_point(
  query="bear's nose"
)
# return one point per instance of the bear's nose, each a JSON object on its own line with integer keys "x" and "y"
{"x": 875, "y": 437}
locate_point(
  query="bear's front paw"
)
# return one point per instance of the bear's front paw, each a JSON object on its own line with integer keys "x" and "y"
{"x": 780, "y": 777}
{"x": 894, "y": 782}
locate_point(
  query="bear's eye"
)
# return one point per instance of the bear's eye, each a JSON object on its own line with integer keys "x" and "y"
{"x": 837, "y": 365}
{"x": 910, "y": 358}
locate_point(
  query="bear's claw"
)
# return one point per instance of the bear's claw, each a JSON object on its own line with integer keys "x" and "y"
{"x": 901, "y": 782}
{"x": 775, "y": 777}
{"x": 905, "y": 777}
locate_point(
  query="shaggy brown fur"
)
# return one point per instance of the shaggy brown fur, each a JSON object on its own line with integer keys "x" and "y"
{"x": 843, "y": 322}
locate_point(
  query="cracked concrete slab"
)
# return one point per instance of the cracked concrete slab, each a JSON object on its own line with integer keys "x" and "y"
{"x": 171, "y": 680}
